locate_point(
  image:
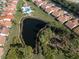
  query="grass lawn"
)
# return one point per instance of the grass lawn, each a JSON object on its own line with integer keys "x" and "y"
{"x": 14, "y": 31}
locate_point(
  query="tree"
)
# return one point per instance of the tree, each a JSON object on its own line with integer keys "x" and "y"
{"x": 28, "y": 52}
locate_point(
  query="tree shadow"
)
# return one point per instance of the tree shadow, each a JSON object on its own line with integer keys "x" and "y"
{"x": 30, "y": 28}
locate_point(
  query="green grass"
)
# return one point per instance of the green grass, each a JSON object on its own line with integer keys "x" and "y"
{"x": 14, "y": 32}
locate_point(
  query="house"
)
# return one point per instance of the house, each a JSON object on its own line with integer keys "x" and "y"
{"x": 1, "y": 51}
{"x": 8, "y": 9}
{"x": 5, "y": 30}
{"x": 47, "y": 5}
{"x": 44, "y": 5}
{"x": 50, "y": 5}
{"x": 11, "y": 7}
{"x": 58, "y": 13}
{"x": 9, "y": 1}
{"x": 49, "y": 10}
{"x": 64, "y": 18}
{"x": 9, "y": 17}
{"x": 1, "y": 17}
{"x": 72, "y": 23}
{"x": 39, "y": 2}
{"x": 3, "y": 34}
{"x": 7, "y": 24}
{"x": 2, "y": 40}
{"x": 8, "y": 13}
{"x": 14, "y": 1}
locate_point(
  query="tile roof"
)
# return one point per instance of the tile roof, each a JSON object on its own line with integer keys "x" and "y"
{"x": 5, "y": 30}
{"x": 64, "y": 18}
{"x": 7, "y": 19}
{"x": 1, "y": 17}
{"x": 52, "y": 10}
{"x": 39, "y": 2}
{"x": 9, "y": 16}
{"x": 6, "y": 23}
{"x": 72, "y": 23}
{"x": 15, "y": 1}
{"x": 58, "y": 13}
{"x": 48, "y": 10}
{"x": 7, "y": 13}
{"x": 50, "y": 5}
{"x": 43, "y": 6}
{"x": 11, "y": 7}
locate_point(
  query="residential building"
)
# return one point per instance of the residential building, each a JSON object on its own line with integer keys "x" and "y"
{"x": 64, "y": 18}
{"x": 72, "y": 23}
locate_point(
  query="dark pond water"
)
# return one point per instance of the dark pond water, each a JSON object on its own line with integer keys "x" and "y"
{"x": 30, "y": 28}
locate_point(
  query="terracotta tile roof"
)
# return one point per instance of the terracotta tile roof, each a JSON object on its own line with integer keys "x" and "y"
{"x": 7, "y": 19}
{"x": 2, "y": 40}
{"x": 58, "y": 13}
{"x": 50, "y": 5}
{"x": 1, "y": 51}
{"x": 1, "y": 17}
{"x": 72, "y": 23}
{"x": 7, "y": 13}
{"x": 6, "y": 23}
{"x": 8, "y": 9}
{"x": 49, "y": 10}
{"x": 39, "y": 2}
{"x": 52, "y": 9}
{"x": 43, "y": 6}
{"x": 14, "y": 2}
{"x": 5, "y": 30}
{"x": 9, "y": 16}
{"x": 11, "y": 7}
{"x": 64, "y": 18}
{"x": 1, "y": 22}
{"x": 56, "y": 8}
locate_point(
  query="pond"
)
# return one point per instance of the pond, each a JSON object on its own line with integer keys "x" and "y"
{"x": 30, "y": 28}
